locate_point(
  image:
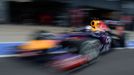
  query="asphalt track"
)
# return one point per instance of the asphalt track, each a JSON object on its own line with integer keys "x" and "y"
{"x": 117, "y": 62}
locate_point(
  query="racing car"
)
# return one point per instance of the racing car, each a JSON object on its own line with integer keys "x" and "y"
{"x": 66, "y": 51}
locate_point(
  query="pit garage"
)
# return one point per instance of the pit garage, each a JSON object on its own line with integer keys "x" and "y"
{"x": 36, "y": 12}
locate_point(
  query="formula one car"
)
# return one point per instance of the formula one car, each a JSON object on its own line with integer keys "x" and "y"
{"x": 65, "y": 51}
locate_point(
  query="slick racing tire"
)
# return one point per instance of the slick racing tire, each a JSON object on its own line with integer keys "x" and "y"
{"x": 91, "y": 48}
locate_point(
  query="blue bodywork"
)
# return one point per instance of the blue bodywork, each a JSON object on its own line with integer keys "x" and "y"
{"x": 8, "y": 48}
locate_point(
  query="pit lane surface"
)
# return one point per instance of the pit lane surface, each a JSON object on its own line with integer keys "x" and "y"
{"x": 118, "y": 62}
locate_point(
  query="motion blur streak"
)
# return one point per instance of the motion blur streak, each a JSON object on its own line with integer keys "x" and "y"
{"x": 70, "y": 63}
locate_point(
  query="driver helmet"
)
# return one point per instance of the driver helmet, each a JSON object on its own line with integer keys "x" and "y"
{"x": 98, "y": 25}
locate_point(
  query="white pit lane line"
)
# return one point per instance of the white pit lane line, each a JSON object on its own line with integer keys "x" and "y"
{"x": 122, "y": 48}
{"x": 10, "y": 55}
{"x": 12, "y": 42}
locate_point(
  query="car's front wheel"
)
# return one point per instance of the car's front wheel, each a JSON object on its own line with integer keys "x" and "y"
{"x": 90, "y": 48}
